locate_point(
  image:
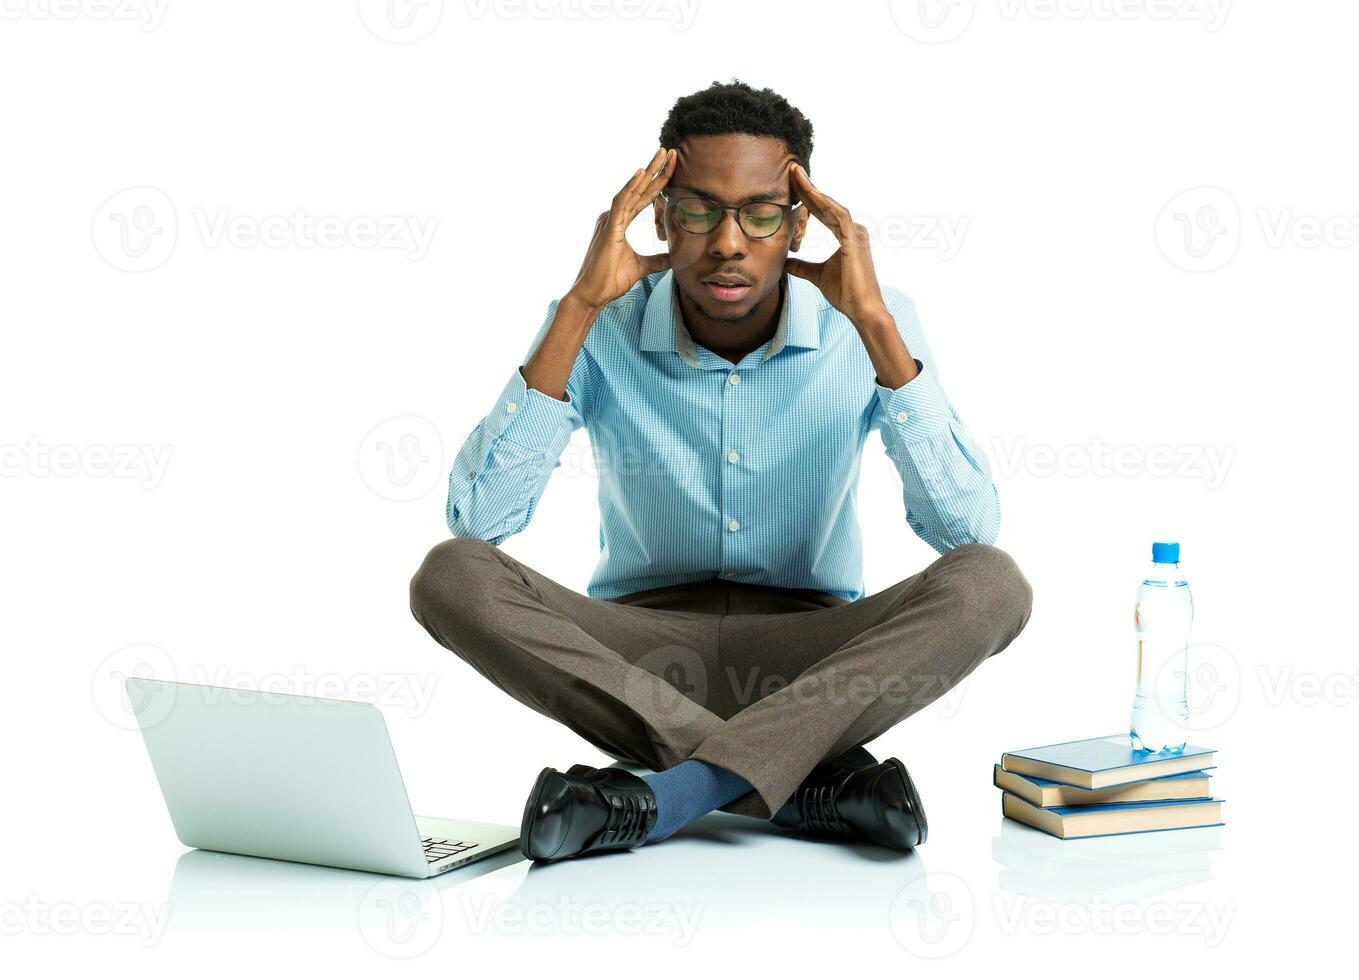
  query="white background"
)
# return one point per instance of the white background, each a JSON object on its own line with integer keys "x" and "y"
{"x": 196, "y": 433}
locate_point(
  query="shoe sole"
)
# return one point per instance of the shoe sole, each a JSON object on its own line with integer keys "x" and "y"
{"x": 921, "y": 824}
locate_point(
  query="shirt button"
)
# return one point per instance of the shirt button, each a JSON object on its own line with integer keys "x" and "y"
{"x": 733, "y": 457}
{"x": 510, "y": 407}
{"x": 733, "y": 378}
{"x": 735, "y": 525}
{"x": 902, "y": 416}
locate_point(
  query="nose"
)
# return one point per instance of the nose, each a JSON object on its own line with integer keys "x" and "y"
{"x": 727, "y": 240}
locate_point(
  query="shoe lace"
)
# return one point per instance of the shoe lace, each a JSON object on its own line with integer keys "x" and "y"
{"x": 631, "y": 817}
{"x": 817, "y": 805}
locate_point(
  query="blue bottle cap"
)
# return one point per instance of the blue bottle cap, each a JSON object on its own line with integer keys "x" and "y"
{"x": 1165, "y": 552}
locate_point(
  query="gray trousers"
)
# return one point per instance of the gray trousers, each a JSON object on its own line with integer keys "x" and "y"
{"x": 765, "y": 682}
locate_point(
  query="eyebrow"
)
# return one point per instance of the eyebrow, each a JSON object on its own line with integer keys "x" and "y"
{"x": 762, "y": 196}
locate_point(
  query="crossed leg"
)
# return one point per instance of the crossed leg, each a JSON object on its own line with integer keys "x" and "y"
{"x": 813, "y": 685}
{"x": 766, "y": 695}
{"x": 578, "y": 660}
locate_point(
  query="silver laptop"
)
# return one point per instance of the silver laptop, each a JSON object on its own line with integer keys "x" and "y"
{"x": 294, "y": 778}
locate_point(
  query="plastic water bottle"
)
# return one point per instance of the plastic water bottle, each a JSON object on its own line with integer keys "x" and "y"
{"x": 1165, "y": 612}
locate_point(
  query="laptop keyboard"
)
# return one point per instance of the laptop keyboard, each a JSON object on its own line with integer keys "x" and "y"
{"x": 438, "y": 848}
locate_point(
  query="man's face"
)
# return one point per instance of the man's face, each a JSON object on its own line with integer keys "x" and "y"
{"x": 730, "y": 169}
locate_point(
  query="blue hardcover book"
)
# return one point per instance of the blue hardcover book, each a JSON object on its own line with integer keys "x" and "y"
{"x": 1046, "y": 793}
{"x": 1097, "y": 763}
{"x": 1109, "y": 819}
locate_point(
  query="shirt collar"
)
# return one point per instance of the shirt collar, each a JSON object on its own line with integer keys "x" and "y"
{"x": 663, "y": 324}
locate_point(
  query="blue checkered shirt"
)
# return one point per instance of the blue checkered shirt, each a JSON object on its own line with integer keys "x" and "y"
{"x": 706, "y": 469}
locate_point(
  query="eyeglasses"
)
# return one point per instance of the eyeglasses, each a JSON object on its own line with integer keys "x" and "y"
{"x": 698, "y": 215}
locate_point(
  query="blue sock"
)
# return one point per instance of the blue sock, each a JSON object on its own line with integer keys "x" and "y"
{"x": 857, "y": 756}
{"x": 686, "y": 791}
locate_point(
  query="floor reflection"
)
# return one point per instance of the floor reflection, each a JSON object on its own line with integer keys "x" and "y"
{"x": 1127, "y": 867}
{"x": 214, "y": 892}
{"x": 722, "y": 872}
{"x": 737, "y": 873}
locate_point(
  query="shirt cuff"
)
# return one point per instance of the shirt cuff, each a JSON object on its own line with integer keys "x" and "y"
{"x": 530, "y": 419}
{"x": 917, "y": 410}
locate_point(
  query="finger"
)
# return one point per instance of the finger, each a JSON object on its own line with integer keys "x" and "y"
{"x": 660, "y": 178}
{"x": 643, "y": 187}
{"x": 636, "y": 180}
{"x": 828, "y": 211}
{"x": 626, "y": 192}
{"x": 643, "y": 177}
{"x": 657, "y": 176}
{"x": 661, "y": 161}
{"x": 811, "y": 271}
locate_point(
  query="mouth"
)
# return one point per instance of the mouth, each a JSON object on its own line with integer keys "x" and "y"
{"x": 728, "y": 289}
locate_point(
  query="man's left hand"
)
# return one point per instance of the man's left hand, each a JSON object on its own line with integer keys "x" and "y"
{"x": 846, "y": 279}
{"x": 848, "y": 282}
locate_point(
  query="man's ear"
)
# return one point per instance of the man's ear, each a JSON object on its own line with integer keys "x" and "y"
{"x": 658, "y": 212}
{"x": 800, "y": 229}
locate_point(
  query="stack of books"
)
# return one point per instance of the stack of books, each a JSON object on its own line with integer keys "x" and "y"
{"x": 1098, "y": 787}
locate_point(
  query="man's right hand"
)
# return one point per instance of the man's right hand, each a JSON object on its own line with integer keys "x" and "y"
{"x": 611, "y": 267}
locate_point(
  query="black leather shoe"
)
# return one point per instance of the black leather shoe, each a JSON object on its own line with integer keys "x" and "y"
{"x": 876, "y": 803}
{"x": 585, "y": 809}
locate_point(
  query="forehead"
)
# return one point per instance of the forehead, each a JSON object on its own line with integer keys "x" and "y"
{"x": 732, "y": 166}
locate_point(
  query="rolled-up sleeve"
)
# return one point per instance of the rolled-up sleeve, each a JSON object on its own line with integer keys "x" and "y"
{"x": 503, "y": 466}
{"x": 947, "y": 488}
